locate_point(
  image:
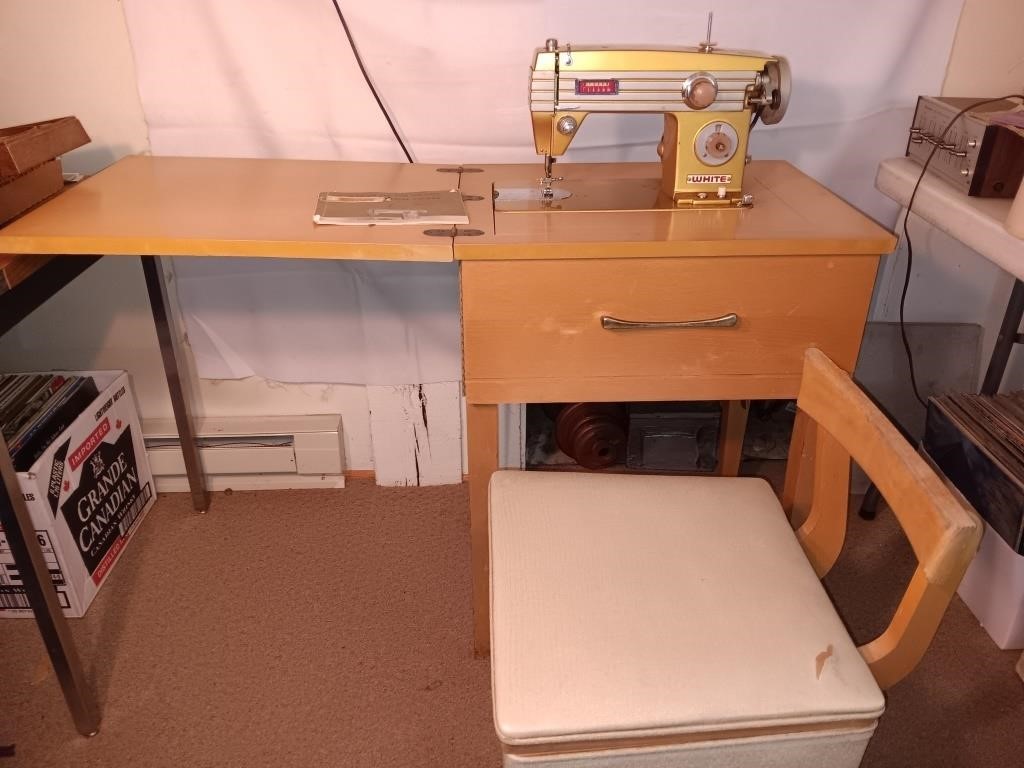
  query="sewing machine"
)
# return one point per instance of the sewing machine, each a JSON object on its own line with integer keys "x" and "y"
{"x": 710, "y": 99}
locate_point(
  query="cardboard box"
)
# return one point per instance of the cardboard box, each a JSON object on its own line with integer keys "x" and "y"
{"x": 23, "y": 147}
{"x": 19, "y": 193}
{"x": 993, "y": 588}
{"x": 87, "y": 495}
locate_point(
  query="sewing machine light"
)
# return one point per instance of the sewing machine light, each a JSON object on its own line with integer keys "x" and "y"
{"x": 567, "y": 125}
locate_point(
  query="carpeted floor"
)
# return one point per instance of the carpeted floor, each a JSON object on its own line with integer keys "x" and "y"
{"x": 330, "y": 628}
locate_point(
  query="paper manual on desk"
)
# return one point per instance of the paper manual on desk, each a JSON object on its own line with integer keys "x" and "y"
{"x": 442, "y": 207}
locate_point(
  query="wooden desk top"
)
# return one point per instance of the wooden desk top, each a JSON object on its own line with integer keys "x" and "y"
{"x": 792, "y": 215}
{"x": 187, "y": 206}
{"x": 176, "y": 206}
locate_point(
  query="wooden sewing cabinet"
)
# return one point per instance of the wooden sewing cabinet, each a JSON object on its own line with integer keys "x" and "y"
{"x": 538, "y": 287}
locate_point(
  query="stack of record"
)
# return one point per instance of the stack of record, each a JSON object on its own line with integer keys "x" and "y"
{"x": 36, "y": 408}
{"x": 978, "y": 442}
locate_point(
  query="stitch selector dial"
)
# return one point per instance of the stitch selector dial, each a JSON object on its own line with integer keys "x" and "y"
{"x": 716, "y": 143}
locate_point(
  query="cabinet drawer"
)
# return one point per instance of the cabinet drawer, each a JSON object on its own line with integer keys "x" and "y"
{"x": 542, "y": 320}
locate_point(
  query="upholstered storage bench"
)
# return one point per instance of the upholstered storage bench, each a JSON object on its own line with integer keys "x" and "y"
{"x": 662, "y": 636}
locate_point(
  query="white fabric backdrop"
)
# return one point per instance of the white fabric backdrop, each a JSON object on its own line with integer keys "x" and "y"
{"x": 275, "y": 78}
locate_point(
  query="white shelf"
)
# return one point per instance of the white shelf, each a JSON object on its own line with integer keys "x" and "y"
{"x": 974, "y": 221}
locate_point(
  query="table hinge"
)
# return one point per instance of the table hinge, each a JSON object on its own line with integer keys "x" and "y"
{"x": 453, "y": 232}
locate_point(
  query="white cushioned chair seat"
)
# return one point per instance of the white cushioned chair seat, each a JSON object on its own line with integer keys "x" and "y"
{"x": 627, "y": 606}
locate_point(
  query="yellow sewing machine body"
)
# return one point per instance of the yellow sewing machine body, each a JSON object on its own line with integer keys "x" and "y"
{"x": 708, "y": 97}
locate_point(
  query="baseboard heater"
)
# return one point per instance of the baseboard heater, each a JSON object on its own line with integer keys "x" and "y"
{"x": 251, "y": 453}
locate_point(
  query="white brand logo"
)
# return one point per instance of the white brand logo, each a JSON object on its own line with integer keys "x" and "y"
{"x": 708, "y": 178}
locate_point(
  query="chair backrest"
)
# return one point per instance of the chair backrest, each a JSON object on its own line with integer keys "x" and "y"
{"x": 942, "y": 529}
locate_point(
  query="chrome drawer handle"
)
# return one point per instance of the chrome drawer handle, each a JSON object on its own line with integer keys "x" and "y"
{"x": 614, "y": 324}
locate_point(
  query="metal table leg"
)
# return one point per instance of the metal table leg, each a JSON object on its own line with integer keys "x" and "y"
{"x": 869, "y": 504}
{"x": 1008, "y": 336}
{"x": 42, "y": 598}
{"x": 181, "y": 397}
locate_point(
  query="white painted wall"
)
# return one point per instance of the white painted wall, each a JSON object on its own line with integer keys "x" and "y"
{"x": 988, "y": 52}
{"x": 72, "y": 57}
{"x": 951, "y": 283}
{"x": 64, "y": 57}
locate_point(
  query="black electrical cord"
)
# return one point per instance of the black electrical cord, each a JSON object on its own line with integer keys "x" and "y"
{"x": 906, "y": 233}
{"x": 366, "y": 77}
{"x": 756, "y": 117}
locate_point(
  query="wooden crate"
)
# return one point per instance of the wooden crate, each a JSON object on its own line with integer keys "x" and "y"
{"x": 23, "y": 147}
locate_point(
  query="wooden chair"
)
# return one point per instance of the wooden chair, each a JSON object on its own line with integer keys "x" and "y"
{"x": 678, "y": 621}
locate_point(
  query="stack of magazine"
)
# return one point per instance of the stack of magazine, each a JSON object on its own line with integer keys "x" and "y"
{"x": 36, "y": 408}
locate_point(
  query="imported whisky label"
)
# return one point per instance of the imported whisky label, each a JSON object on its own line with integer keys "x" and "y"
{"x": 108, "y": 500}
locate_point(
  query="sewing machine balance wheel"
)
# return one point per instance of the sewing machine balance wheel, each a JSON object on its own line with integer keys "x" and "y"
{"x": 780, "y": 87}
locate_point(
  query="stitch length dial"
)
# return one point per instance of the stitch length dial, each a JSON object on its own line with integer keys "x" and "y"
{"x": 716, "y": 143}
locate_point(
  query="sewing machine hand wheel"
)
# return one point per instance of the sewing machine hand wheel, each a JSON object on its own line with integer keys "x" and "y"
{"x": 779, "y": 87}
